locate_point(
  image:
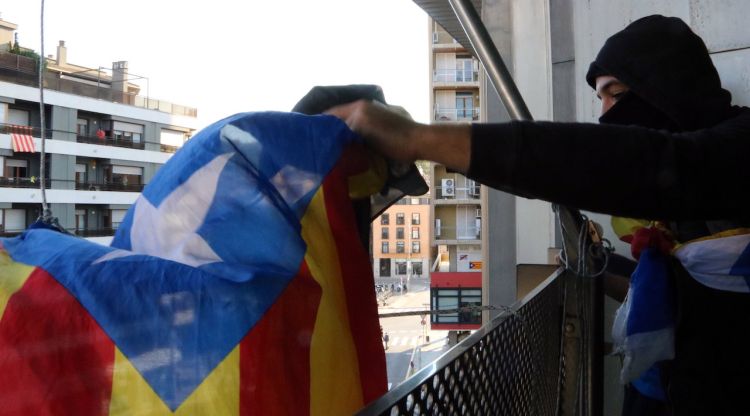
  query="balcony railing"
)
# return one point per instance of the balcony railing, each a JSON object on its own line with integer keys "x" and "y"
{"x": 456, "y": 114}
{"x": 473, "y": 192}
{"x": 104, "y": 141}
{"x": 93, "y": 232}
{"x": 22, "y": 67}
{"x": 111, "y": 141}
{"x": 457, "y": 76}
{"x": 14, "y": 182}
{"x": 460, "y": 233}
{"x": 33, "y": 131}
{"x": 109, "y": 186}
{"x": 33, "y": 182}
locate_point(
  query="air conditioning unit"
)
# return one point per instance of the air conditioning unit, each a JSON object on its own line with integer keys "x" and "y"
{"x": 478, "y": 213}
{"x": 438, "y": 229}
{"x": 449, "y": 188}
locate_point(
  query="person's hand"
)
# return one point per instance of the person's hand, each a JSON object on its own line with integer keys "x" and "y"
{"x": 389, "y": 132}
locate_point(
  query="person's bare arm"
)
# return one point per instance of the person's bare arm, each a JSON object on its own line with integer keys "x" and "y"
{"x": 402, "y": 139}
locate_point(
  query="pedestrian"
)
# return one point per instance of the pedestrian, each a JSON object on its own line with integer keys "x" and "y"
{"x": 385, "y": 340}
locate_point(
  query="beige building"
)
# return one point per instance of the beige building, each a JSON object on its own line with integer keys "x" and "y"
{"x": 456, "y": 205}
{"x": 401, "y": 240}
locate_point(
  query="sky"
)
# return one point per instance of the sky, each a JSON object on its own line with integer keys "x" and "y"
{"x": 225, "y": 57}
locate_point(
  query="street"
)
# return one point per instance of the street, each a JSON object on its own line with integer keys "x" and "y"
{"x": 407, "y": 337}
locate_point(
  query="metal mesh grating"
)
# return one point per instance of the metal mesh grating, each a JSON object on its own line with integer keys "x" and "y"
{"x": 510, "y": 369}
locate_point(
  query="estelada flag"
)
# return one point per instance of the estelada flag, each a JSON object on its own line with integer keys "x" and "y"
{"x": 238, "y": 285}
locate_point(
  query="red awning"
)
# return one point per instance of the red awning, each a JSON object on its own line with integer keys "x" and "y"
{"x": 22, "y": 140}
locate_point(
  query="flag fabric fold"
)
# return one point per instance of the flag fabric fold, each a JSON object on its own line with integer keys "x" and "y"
{"x": 236, "y": 284}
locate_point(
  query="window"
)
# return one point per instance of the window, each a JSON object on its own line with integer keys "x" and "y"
{"x": 384, "y": 247}
{"x": 416, "y": 269}
{"x": 400, "y": 267}
{"x": 82, "y": 127}
{"x": 16, "y": 168}
{"x": 18, "y": 117}
{"x": 127, "y": 132}
{"x": 385, "y": 267}
{"x": 464, "y": 68}
{"x": 174, "y": 138}
{"x": 384, "y": 233}
{"x": 414, "y": 232}
{"x": 464, "y": 105}
{"x": 400, "y": 233}
{"x": 415, "y": 218}
{"x": 455, "y": 298}
{"x": 399, "y": 218}
{"x": 399, "y": 247}
{"x": 415, "y": 246}
{"x": 384, "y": 219}
{"x": 124, "y": 175}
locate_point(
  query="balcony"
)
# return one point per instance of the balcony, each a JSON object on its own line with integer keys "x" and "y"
{"x": 15, "y": 182}
{"x": 455, "y": 76}
{"x": 109, "y": 186}
{"x": 447, "y": 194}
{"x": 106, "y": 140}
{"x": 111, "y": 141}
{"x": 33, "y": 182}
{"x": 448, "y": 115}
{"x": 451, "y": 233}
{"x": 22, "y": 70}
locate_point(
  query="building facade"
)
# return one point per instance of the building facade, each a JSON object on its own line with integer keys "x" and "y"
{"x": 104, "y": 143}
{"x": 400, "y": 242}
{"x": 456, "y": 205}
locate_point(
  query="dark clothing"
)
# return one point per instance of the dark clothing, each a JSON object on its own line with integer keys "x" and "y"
{"x": 672, "y": 149}
{"x": 627, "y": 171}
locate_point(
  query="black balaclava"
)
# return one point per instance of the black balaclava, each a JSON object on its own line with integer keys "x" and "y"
{"x": 667, "y": 67}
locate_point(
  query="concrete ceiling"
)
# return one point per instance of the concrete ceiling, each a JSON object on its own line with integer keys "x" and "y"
{"x": 441, "y": 12}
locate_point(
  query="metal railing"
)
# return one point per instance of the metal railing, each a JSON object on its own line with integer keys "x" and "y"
{"x": 456, "y": 114}
{"x": 457, "y": 76}
{"x": 91, "y": 232}
{"x": 458, "y": 233}
{"x": 16, "y": 182}
{"x": 513, "y": 366}
{"x": 104, "y": 141}
{"x": 25, "y": 68}
{"x": 33, "y": 182}
{"x": 458, "y": 192}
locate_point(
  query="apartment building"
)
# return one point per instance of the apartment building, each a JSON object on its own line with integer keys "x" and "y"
{"x": 105, "y": 140}
{"x": 400, "y": 242}
{"x": 456, "y": 207}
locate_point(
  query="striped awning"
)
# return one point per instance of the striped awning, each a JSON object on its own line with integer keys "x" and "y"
{"x": 22, "y": 140}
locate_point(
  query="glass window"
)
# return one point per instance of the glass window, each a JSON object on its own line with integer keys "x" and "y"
{"x": 416, "y": 268}
{"x": 399, "y": 247}
{"x": 399, "y": 218}
{"x": 415, "y": 218}
{"x": 82, "y": 127}
{"x": 415, "y": 246}
{"x": 384, "y": 219}
{"x": 384, "y": 247}
{"x": 400, "y": 233}
{"x": 400, "y": 267}
{"x": 384, "y": 233}
{"x": 464, "y": 105}
{"x": 385, "y": 267}
{"x": 414, "y": 232}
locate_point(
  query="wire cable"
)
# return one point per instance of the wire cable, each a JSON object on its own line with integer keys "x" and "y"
{"x": 46, "y": 215}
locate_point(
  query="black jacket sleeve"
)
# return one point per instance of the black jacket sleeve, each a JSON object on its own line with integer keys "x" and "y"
{"x": 620, "y": 170}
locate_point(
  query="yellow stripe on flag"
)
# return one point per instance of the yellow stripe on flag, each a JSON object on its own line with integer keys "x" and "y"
{"x": 334, "y": 369}
{"x": 217, "y": 395}
{"x": 13, "y": 276}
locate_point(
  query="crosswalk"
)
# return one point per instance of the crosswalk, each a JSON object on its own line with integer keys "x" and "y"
{"x": 405, "y": 341}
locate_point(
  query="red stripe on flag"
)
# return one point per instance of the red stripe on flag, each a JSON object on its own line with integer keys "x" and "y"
{"x": 54, "y": 358}
{"x": 275, "y": 354}
{"x": 357, "y": 274}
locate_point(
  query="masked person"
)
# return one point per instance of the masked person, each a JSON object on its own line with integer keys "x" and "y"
{"x": 670, "y": 147}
